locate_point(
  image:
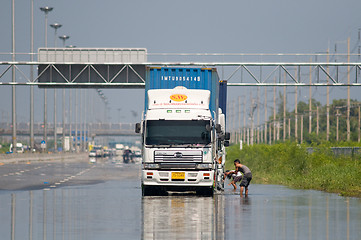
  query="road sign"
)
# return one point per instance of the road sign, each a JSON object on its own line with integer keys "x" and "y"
{"x": 43, "y": 144}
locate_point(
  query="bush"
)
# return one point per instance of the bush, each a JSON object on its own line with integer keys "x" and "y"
{"x": 290, "y": 164}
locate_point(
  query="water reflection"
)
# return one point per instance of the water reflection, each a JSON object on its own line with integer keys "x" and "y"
{"x": 183, "y": 217}
{"x": 292, "y": 214}
{"x": 116, "y": 210}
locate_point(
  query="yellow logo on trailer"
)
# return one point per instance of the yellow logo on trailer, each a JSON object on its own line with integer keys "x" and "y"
{"x": 178, "y": 97}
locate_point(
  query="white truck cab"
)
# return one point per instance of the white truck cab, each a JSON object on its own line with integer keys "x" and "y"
{"x": 180, "y": 137}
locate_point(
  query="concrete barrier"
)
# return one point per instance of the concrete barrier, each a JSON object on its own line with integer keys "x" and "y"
{"x": 29, "y": 157}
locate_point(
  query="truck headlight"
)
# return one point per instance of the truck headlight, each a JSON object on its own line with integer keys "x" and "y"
{"x": 151, "y": 165}
{"x": 204, "y": 166}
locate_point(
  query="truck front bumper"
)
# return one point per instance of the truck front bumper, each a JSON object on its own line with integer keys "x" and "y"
{"x": 178, "y": 178}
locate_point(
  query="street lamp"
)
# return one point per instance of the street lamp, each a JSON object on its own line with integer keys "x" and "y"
{"x": 55, "y": 26}
{"x": 46, "y": 10}
{"x": 64, "y": 38}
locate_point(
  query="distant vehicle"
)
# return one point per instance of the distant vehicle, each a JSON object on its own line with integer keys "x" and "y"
{"x": 106, "y": 153}
{"x": 18, "y": 149}
{"x": 99, "y": 150}
{"x": 92, "y": 153}
{"x": 137, "y": 157}
{"x": 119, "y": 149}
{"x": 127, "y": 156}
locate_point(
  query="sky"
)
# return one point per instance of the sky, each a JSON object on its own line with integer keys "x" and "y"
{"x": 168, "y": 26}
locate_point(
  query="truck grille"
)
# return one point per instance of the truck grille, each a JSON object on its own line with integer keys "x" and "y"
{"x": 174, "y": 156}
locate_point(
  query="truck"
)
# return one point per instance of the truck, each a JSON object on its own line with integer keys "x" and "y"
{"x": 18, "y": 149}
{"x": 183, "y": 131}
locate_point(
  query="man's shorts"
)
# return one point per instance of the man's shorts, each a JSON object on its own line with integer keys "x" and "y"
{"x": 246, "y": 180}
{"x": 237, "y": 178}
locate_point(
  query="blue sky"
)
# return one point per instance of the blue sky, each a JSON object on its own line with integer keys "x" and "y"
{"x": 166, "y": 26}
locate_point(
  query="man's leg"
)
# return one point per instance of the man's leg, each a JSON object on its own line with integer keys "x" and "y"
{"x": 241, "y": 191}
{"x": 246, "y": 192}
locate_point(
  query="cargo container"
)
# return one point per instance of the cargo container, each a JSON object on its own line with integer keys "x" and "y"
{"x": 183, "y": 132}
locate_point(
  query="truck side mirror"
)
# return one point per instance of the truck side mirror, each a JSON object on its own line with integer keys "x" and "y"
{"x": 227, "y": 136}
{"x": 226, "y": 143}
{"x": 218, "y": 128}
{"x": 208, "y": 128}
{"x": 137, "y": 128}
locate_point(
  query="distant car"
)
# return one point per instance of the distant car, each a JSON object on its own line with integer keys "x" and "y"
{"x": 92, "y": 153}
{"x": 137, "y": 157}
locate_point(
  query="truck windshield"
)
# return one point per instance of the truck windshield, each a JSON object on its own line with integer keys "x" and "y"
{"x": 177, "y": 132}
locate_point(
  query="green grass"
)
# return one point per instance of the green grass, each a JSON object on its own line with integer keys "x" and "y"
{"x": 289, "y": 164}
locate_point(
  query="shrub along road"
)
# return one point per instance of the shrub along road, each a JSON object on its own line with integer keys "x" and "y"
{"x": 291, "y": 165}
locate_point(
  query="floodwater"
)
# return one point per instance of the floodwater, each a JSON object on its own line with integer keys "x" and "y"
{"x": 116, "y": 210}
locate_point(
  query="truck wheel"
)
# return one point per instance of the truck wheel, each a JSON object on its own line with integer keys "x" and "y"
{"x": 205, "y": 192}
{"x": 153, "y": 191}
{"x": 147, "y": 191}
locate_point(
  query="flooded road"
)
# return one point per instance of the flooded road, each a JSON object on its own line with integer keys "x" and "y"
{"x": 114, "y": 209}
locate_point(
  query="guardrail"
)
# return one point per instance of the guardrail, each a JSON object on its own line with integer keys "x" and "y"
{"x": 337, "y": 151}
{"x": 29, "y": 157}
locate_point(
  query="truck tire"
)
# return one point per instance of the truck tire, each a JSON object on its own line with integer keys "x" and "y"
{"x": 152, "y": 191}
{"x": 147, "y": 191}
{"x": 207, "y": 192}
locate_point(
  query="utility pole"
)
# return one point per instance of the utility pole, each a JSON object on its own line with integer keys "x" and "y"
{"x": 55, "y": 124}
{"x": 234, "y": 121}
{"x": 258, "y": 101}
{"x": 14, "y": 140}
{"x": 46, "y": 10}
{"x": 252, "y": 118}
{"x": 265, "y": 115}
{"x": 296, "y": 116}
{"x": 310, "y": 103}
{"x": 244, "y": 119}
{"x": 248, "y": 137}
{"x": 76, "y": 121}
{"x": 359, "y": 124}
{"x": 239, "y": 116}
{"x": 337, "y": 117}
{"x": 70, "y": 122}
{"x": 274, "y": 112}
{"x": 301, "y": 128}
{"x": 317, "y": 121}
{"x": 348, "y": 90}
{"x": 32, "y": 144}
{"x": 284, "y": 110}
{"x": 328, "y": 103}
{"x": 289, "y": 128}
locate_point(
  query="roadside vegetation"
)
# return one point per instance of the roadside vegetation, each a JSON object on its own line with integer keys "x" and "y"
{"x": 290, "y": 164}
{"x": 4, "y": 147}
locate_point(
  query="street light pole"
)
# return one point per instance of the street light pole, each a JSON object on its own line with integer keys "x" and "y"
{"x": 64, "y": 38}
{"x": 32, "y": 77}
{"x": 13, "y": 78}
{"x": 55, "y": 26}
{"x": 46, "y": 10}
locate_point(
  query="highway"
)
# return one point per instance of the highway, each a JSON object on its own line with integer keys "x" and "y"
{"x": 47, "y": 175}
{"x": 77, "y": 199}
